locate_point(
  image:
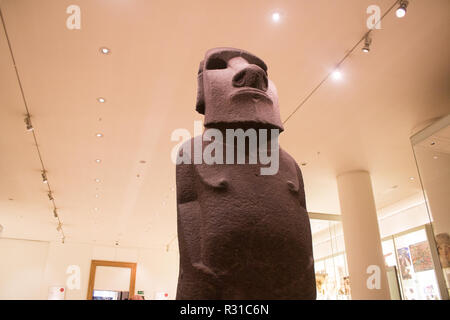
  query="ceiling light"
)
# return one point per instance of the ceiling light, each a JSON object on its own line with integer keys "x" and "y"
{"x": 336, "y": 75}
{"x": 55, "y": 213}
{"x": 96, "y": 209}
{"x": 96, "y": 195}
{"x": 28, "y": 123}
{"x": 44, "y": 177}
{"x": 435, "y": 157}
{"x": 411, "y": 178}
{"x": 101, "y": 100}
{"x": 63, "y": 239}
{"x": 432, "y": 143}
{"x": 50, "y": 196}
{"x": 98, "y": 160}
{"x": 58, "y": 228}
{"x": 401, "y": 11}
{"x": 105, "y": 50}
{"x": 97, "y": 180}
{"x": 99, "y": 135}
{"x": 276, "y": 16}
{"x": 367, "y": 42}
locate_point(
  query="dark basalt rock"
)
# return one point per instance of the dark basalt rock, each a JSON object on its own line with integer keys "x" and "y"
{"x": 242, "y": 235}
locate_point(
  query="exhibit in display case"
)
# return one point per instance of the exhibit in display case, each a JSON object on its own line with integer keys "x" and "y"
{"x": 411, "y": 253}
{"x": 330, "y": 262}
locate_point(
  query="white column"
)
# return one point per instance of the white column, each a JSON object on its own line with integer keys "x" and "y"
{"x": 362, "y": 237}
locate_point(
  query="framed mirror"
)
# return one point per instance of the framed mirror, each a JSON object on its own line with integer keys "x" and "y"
{"x": 111, "y": 280}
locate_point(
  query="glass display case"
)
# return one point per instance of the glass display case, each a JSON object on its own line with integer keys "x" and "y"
{"x": 330, "y": 262}
{"x": 431, "y": 146}
{"x": 411, "y": 254}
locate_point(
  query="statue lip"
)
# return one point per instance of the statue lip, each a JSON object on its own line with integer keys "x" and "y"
{"x": 250, "y": 91}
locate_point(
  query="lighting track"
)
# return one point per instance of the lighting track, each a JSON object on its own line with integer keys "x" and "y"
{"x": 33, "y": 132}
{"x": 366, "y": 35}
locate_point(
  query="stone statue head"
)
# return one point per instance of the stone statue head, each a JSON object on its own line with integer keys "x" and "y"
{"x": 234, "y": 91}
{"x": 443, "y": 246}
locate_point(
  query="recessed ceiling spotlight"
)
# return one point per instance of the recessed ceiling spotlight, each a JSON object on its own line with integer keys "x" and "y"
{"x": 96, "y": 195}
{"x": 336, "y": 75}
{"x": 105, "y": 50}
{"x": 98, "y": 160}
{"x": 99, "y": 135}
{"x": 101, "y": 100}
{"x": 96, "y": 209}
{"x": 411, "y": 178}
{"x": 432, "y": 143}
{"x": 276, "y": 16}
{"x": 97, "y": 180}
{"x": 435, "y": 157}
{"x": 401, "y": 11}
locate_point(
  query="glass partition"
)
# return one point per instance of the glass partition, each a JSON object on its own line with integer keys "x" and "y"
{"x": 330, "y": 265}
{"x": 431, "y": 148}
{"x": 414, "y": 267}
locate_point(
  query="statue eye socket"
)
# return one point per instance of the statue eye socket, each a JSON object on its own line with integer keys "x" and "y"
{"x": 216, "y": 63}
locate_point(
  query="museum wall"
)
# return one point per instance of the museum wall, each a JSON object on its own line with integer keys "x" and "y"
{"x": 29, "y": 268}
{"x": 22, "y": 265}
{"x": 395, "y": 221}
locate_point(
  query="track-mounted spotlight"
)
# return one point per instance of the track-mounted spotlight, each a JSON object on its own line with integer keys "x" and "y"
{"x": 28, "y": 123}
{"x": 50, "y": 196}
{"x": 401, "y": 11}
{"x": 55, "y": 213}
{"x": 367, "y": 42}
{"x": 44, "y": 177}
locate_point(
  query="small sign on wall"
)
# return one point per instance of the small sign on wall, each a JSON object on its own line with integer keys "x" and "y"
{"x": 161, "y": 296}
{"x": 56, "y": 293}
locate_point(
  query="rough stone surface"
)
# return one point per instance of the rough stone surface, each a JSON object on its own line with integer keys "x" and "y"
{"x": 242, "y": 235}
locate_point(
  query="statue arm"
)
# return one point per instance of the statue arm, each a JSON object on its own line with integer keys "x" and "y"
{"x": 188, "y": 215}
{"x": 301, "y": 187}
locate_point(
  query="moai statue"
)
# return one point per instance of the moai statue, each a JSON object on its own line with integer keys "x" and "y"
{"x": 243, "y": 228}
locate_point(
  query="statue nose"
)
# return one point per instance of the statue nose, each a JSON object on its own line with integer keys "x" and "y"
{"x": 251, "y": 76}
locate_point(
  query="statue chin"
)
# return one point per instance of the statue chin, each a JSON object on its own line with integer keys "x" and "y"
{"x": 244, "y": 112}
{"x": 244, "y": 124}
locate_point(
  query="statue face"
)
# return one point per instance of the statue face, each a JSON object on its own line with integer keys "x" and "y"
{"x": 234, "y": 90}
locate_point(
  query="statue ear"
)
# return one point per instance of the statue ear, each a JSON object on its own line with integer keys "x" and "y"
{"x": 200, "y": 106}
